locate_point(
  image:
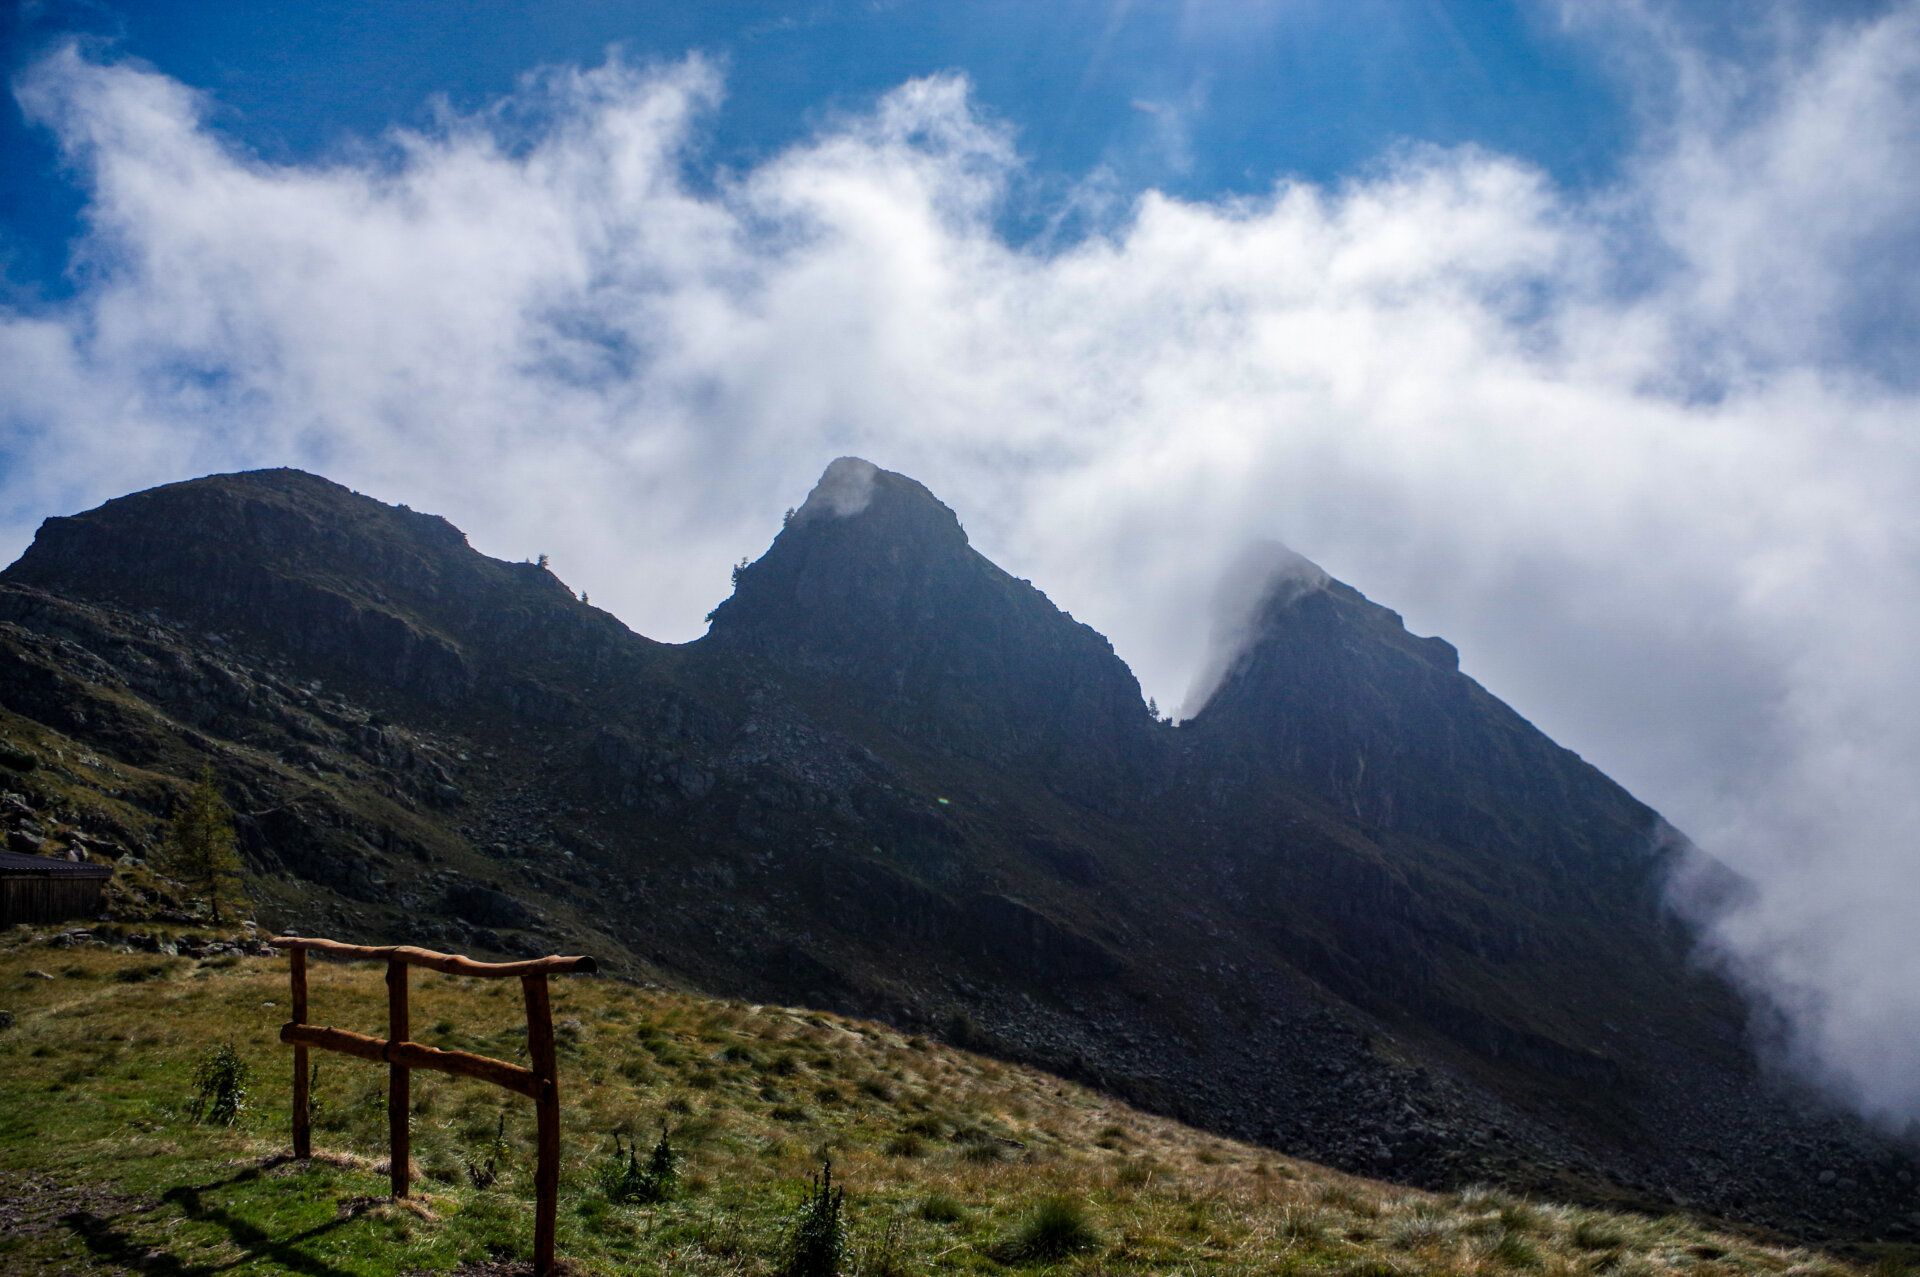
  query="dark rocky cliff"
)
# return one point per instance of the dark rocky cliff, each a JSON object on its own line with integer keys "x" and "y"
{"x": 345, "y": 581}
{"x": 873, "y": 594}
{"x": 1356, "y": 908}
{"x": 1333, "y": 692}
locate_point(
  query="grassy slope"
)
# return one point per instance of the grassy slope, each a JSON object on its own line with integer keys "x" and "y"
{"x": 102, "y": 1171}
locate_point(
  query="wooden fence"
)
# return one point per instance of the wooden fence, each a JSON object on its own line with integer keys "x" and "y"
{"x": 541, "y": 1083}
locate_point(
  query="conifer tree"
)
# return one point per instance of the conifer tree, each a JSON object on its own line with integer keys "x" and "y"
{"x": 199, "y": 846}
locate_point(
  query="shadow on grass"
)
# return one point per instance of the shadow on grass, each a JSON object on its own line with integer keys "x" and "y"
{"x": 108, "y": 1238}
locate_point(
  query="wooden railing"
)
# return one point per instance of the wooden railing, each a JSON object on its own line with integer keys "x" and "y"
{"x": 540, "y": 1083}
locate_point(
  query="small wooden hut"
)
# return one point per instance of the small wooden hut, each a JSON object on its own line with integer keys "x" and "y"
{"x": 42, "y": 889}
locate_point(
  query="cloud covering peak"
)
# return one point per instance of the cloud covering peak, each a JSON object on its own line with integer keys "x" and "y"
{"x": 1646, "y": 454}
{"x": 843, "y": 491}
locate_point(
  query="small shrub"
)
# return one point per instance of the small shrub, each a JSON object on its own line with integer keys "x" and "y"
{"x": 725, "y": 1238}
{"x": 1347, "y": 1198}
{"x": 317, "y": 1107}
{"x": 883, "y": 1256}
{"x": 1519, "y": 1217}
{"x": 1302, "y": 1226}
{"x": 817, "y": 1244}
{"x": 1058, "y": 1227}
{"x": 624, "y": 1180}
{"x": 1513, "y": 1250}
{"x": 1414, "y": 1230}
{"x": 941, "y": 1208}
{"x": 219, "y": 1086}
{"x": 485, "y": 1171}
{"x": 1593, "y": 1234}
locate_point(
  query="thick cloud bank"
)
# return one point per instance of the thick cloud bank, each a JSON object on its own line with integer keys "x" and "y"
{"x": 1648, "y": 455}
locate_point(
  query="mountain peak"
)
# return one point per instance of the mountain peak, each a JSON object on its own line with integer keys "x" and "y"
{"x": 1331, "y": 689}
{"x": 845, "y": 489}
{"x": 872, "y": 584}
{"x": 880, "y": 503}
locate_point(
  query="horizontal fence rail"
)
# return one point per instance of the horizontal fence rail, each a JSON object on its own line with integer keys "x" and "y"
{"x": 450, "y": 963}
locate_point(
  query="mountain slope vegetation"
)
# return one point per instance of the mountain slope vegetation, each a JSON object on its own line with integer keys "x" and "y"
{"x": 955, "y": 1163}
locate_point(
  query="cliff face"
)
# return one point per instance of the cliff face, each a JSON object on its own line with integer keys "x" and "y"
{"x": 1333, "y": 694}
{"x": 346, "y": 582}
{"x": 873, "y": 595}
{"x": 1356, "y": 908}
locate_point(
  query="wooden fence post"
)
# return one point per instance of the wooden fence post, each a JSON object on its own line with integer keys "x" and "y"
{"x": 302, "y": 1122}
{"x": 546, "y": 1107}
{"x": 398, "y": 1079}
{"x": 401, "y": 1055}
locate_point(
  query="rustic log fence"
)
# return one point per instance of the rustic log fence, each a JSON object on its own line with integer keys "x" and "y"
{"x": 541, "y": 1083}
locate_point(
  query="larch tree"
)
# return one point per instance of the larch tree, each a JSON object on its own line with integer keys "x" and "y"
{"x": 199, "y": 847}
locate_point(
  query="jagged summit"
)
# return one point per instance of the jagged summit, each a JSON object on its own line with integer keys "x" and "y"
{"x": 873, "y": 586}
{"x": 1331, "y": 690}
{"x": 847, "y": 488}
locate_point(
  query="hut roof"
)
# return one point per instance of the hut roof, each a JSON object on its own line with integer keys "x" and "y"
{"x": 14, "y": 864}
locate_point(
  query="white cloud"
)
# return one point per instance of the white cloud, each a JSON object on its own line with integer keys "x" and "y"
{"x": 1646, "y": 455}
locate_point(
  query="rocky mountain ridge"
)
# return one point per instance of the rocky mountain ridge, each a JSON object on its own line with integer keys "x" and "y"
{"x": 1356, "y": 908}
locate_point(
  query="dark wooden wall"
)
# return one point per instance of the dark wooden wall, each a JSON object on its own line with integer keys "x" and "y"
{"x": 33, "y": 897}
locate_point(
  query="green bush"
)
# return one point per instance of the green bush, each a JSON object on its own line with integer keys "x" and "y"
{"x": 1514, "y": 1250}
{"x": 1592, "y": 1234}
{"x": 1058, "y": 1227}
{"x": 485, "y": 1170}
{"x": 941, "y": 1208}
{"x": 624, "y": 1180}
{"x": 817, "y": 1244}
{"x": 219, "y": 1086}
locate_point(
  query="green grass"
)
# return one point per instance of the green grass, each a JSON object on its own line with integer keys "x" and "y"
{"x": 97, "y": 1081}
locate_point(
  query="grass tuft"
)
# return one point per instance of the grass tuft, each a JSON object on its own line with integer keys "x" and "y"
{"x": 1056, "y": 1228}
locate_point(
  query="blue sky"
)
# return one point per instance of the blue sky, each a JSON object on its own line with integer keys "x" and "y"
{"x": 1585, "y": 333}
{"x": 1196, "y": 97}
